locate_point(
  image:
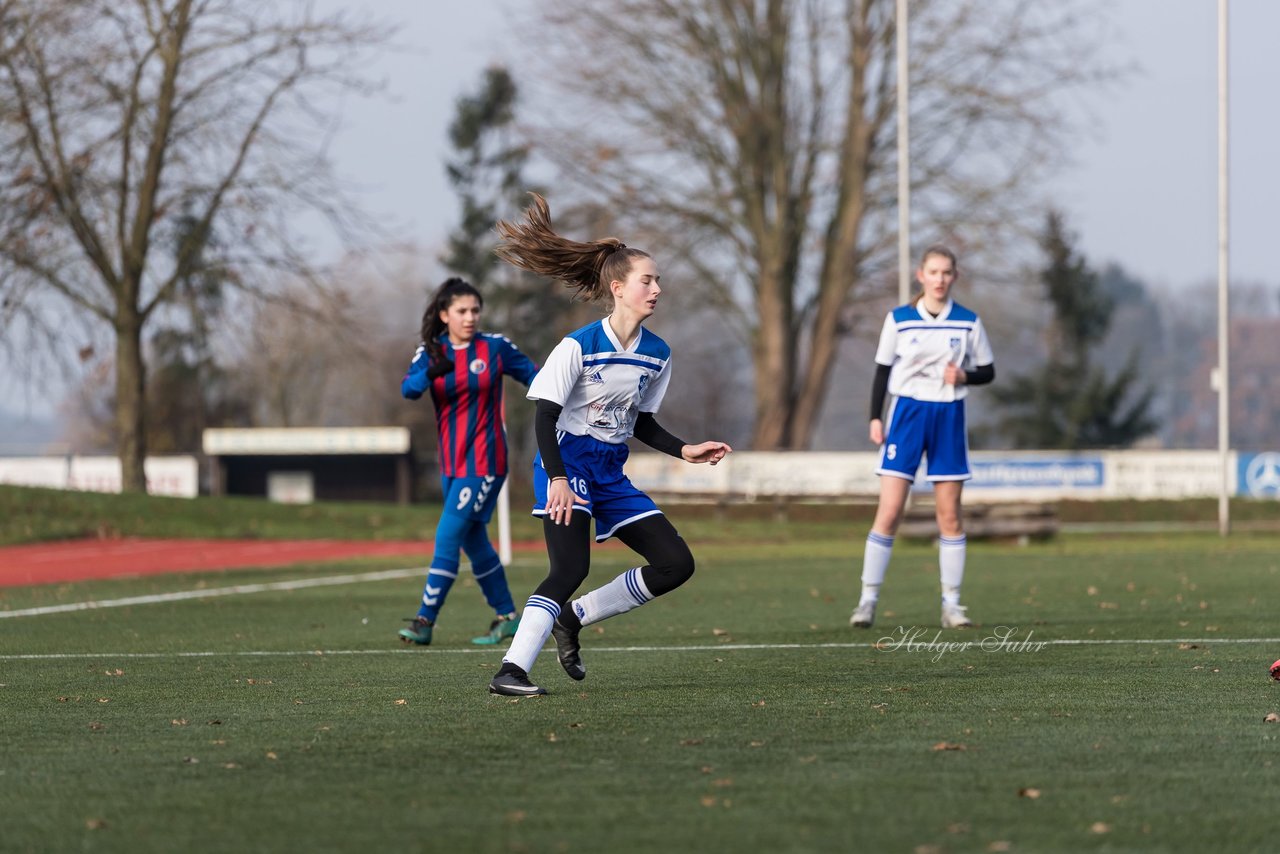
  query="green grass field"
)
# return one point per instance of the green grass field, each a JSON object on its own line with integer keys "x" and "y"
{"x": 1123, "y": 709}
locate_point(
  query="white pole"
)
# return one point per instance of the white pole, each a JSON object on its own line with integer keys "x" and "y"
{"x": 904, "y": 159}
{"x": 1224, "y": 302}
{"x": 504, "y": 525}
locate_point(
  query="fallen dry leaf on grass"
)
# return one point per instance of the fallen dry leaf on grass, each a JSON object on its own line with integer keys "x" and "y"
{"x": 1029, "y": 792}
{"x": 1100, "y": 827}
{"x": 1271, "y": 718}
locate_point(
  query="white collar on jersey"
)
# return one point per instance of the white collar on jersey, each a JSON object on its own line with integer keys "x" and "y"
{"x": 613, "y": 339}
{"x": 942, "y": 315}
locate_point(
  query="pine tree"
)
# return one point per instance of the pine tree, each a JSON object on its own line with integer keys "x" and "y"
{"x": 487, "y": 173}
{"x": 1071, "y": 402}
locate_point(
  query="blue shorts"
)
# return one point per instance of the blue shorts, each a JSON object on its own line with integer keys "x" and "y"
{"x": 929, "y": 429}
{"x": 595, "y": 473}
{"x": 472, "y": 498}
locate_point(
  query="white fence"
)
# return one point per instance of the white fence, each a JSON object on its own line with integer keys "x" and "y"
{"x": 997, "y": 475}
{"x": 177, "y": 476}
{"x": 753, "y": 475}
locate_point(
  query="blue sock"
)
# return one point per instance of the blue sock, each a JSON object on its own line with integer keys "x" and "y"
{"x": 439, "y": 580}
{"x": 488, "y": 569}
{"x": 444, "y": 565}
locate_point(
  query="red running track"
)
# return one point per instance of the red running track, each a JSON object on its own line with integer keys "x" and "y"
{"x": 78, "y": 560}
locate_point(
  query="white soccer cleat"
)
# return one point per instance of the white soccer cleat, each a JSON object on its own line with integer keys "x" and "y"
{"x": 953, "y": 617}
{"x": 863, "y": 615}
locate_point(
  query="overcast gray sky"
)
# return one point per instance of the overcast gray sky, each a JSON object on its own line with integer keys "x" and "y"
{"x": 1142, "y": 190}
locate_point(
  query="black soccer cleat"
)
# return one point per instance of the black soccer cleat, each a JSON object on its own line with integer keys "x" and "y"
{"x": 511, "y": 681}
{"x": 569, "y": 651}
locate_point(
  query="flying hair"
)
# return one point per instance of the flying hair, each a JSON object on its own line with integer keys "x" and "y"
{"x": 585, "y": 268}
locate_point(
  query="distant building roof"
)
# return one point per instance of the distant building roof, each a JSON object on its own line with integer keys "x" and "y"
{"x": 272, "y": 441}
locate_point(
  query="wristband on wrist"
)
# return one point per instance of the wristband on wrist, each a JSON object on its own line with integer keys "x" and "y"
{"x": 562, "y": 477}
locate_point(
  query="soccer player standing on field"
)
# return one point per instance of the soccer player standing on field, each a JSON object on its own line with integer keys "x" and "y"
{"x": 466, "y": 388}
{"x": 601, "y": 385}
{"x": 931, "y": 350}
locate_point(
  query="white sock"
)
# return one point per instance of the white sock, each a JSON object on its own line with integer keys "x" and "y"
{"x": 619, "y": 596}
{"x": 875, "y": 563}
{"x": 951, "y": 567}
{"x": 535, "y": 627}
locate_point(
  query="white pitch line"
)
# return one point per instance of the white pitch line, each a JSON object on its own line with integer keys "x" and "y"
{"x": 728, "y": 647}
{"x": 237, "y": 590}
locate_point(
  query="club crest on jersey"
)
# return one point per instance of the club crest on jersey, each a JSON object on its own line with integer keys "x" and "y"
{"x": 479, "y": 366}
{"x": 597, "y": 377}
{"x": 644, "y": 381}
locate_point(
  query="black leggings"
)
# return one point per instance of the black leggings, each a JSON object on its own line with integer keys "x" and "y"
{"x": 669, "y": 563}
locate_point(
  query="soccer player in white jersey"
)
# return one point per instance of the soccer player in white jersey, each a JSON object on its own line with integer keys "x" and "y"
{"x": 601, "y": 385}
{"x": 931, "y": 350}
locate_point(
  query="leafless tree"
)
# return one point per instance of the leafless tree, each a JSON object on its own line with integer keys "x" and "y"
{"x": 139, "y": 134}
{"x": 756, "y": 140}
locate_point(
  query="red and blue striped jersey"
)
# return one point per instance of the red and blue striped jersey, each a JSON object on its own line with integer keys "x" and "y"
{"x": 468, "y": 399}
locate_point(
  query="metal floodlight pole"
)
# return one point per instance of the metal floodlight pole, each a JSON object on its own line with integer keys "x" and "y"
{"x": 1222, "y": 375}
{"x": 904, "y": 158}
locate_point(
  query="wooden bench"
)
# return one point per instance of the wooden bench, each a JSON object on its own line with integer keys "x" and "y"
{"x": 1023, "y": 522}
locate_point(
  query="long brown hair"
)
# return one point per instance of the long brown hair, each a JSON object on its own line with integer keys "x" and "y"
{"x": 586, "y": 268}
{"x": 942, "y": 252}
{"x": 432, "y": 326}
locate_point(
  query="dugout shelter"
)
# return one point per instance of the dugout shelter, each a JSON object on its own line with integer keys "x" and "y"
{"x": 299, "y": 465}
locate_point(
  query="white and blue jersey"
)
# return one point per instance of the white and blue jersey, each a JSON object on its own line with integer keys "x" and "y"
{"x": 927, "y": 418}
{"x": 919, "y": 348}
{"x": 601, "y": 388}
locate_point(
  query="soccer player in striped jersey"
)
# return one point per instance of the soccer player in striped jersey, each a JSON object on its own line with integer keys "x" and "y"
{"x": 465, "y": 383}
{"x": 601, "y": 385}
{"x": 931, "y": 350}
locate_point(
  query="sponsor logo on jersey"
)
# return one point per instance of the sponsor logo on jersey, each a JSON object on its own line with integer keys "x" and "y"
{"x": 597, "y": 377}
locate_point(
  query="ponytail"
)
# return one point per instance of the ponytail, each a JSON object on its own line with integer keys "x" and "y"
{"x": 585, "y": 268}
